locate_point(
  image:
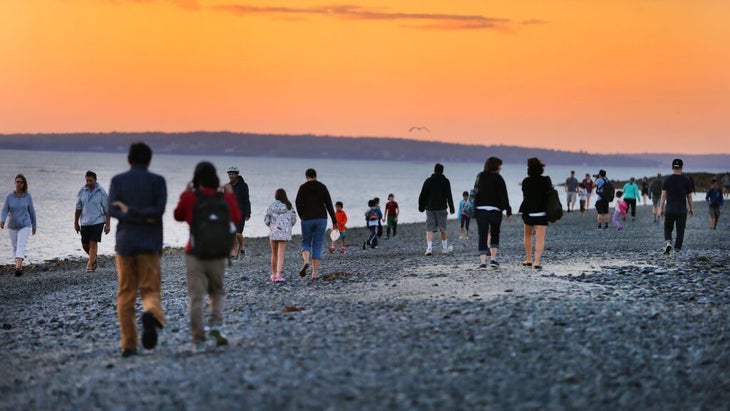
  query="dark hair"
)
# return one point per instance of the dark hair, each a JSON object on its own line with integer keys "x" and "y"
{"x": 280, "y": 195}
{"x": 535, "y": 167}
{"x": 492, "y": 164}
{"x": 205, "y": 175}
{"x": 714, "y": 180}
{"x": 465, "y": 193}
{"x": 371, "y": 203}
{"x": 310, "y": 173}
{"x": 390, "y": 195}
{"x": 619, "y": 193}
{"x": 438, "y": 168}
{"x": 25, "y": 182}
{"x": 139, "y": 153}
{"x": 91, "y": 174}
{"x": 339, "y": 203}
{"x": 632, "y": 179}
{"x": 377, "y": 200}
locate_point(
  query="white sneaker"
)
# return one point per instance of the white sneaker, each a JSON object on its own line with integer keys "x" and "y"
{"x": 429, "y": 251}
{"x": 447, "y": 250}
{"x": 667, "y": 248}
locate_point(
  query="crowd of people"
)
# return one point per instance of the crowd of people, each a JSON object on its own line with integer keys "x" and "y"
{"x": 137, "y": 199}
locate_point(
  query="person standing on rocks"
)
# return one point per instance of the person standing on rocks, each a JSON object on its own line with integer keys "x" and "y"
{"x": 22, "y": 224}
{"x": 391, "y": 216}
{"x": 240, "y": 188}
{"x": 571, "y": 191}
{"x": 205, "y": 276}
{"x": 535, "y": 189}
{"x": 588, "y": 183}
{"x": 601, "y": 203}
{"x": 137, "y": 199}
{"x": 314, "y": 203}
{"x": 280, "y": 218}
{"x": 92, "y": 217}
{"x": 434, "y": 199}
{"x": 675, "y": 204}
{"x": 655, "y": 192}
{"x": 490, "y": 201}
{"x": 715, "y": 200}
{"x": 631, "y": 195}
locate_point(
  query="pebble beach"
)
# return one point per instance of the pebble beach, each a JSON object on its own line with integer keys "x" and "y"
{"x": 609, "y": 323}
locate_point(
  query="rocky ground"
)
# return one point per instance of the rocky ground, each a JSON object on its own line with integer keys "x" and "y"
{"x": 610, "y": 323}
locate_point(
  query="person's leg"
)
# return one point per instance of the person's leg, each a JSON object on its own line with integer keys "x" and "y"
{"x": 495, "y": 223}
{"x": 274, "y": 258}
{"x": 669, "y": 220}
{"x": 22, "y": 236}
{"x": 373, "y": 240}
{"x": 468, "y": 222}
{"x": 126, "y": 297}
{"x": 215, "y": 272}
{"x": 318, "y": 230}
{"x": 633, "y": 208}
{"x": 395, "y": 227}
{"x": 527, "y": 242}
{"x": 197, "y": 283}
{"x": 681, "y": 224}
{"x": 281, "y": 250}
{"x": 539, "y": 243}
{"x": 307, "y": 233}
{"x": 482, "y": 229}
{"x": 150, "y": 284}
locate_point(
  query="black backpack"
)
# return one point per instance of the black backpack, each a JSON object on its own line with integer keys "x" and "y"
{"x": 211, "y": 231}
{"x": 606, "y": 191}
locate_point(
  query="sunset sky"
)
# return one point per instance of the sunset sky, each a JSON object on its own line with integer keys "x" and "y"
{"x": 595, "y": 75}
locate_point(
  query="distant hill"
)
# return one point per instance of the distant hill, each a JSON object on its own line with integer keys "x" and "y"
{"x": 310, "y": 146}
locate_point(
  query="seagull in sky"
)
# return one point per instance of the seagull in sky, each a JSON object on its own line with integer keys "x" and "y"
{"x": 419, "y": 129}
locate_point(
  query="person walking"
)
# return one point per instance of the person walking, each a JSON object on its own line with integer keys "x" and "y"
{"x": 137, "y": 199}
{"x": 464, "y": 219}
{"x": 313, "y": 204}
{"x": 675, "y": 205}
{"x": 655, "y": 192}
{"x": 588, "y": 183}
{"x": 205, "y": 275}
{"x": 714, "y": 200}
{"x": 391, "y": 216}
{"x": 434, "y": 198}
{"x": 602, "y": 202}
{"x": 571, "y": 191}
{"x": 631, "y": 194}
{"x": 373, "y": 215}
{"x": 490, "y": 201}
{"x": 22, "y": 222}
{"x": 644, "y": 189}
{"x": 240, "y": 188}
{"x": 535, "y": 189}
{"x": 280, "y": 218}
{"x": 620, "y": 209}
{"x": 92, "y": 217}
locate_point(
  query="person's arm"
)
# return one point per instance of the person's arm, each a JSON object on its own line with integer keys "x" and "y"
{"x": 662, "y": 201}
{"x": 690, "y": 204}
{"x": 31, "y": 211}
{"x": 450, "y": 198}
{"x": 77, "y": 215}
{"x": 6, "y": 210}
{"x": 105, "y": 209}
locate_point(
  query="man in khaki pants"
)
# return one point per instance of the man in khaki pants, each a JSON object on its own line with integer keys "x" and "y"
{"x": 137, "y": 200}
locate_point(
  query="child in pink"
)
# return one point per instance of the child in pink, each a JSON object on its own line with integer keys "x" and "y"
{"x": 620, "y": 211}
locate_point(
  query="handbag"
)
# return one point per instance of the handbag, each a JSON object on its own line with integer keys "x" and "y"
{"x": 554, "y": 209}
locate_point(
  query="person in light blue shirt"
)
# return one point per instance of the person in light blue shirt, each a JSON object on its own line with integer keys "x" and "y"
{"x": 91, "y": 217}
{"x": 19, "y": 213}
{"x": 631, "y": 194}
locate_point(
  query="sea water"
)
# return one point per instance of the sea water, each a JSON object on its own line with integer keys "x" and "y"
{"x": 54, "y": 179}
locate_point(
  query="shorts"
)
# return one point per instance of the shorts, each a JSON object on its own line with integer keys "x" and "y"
{"x": 240, "y": 225}
{"x": 714, "y": 213}
{"x": 528, "y": 220}
{"x": 436, "y": 220}
{"x": 91, "y": 233}
{"x": 602, "y": 206}
{"x": 655, "y": 201}
{"x": 343, "y": 234}
{"x": 570, "y": 197}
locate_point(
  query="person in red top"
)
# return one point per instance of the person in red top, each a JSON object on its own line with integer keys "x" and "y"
{"x": 341, "y": 217}
{"x": 205, "y": 276}
{"x": 588, "y": 183}
{"x": 391, "y": 215}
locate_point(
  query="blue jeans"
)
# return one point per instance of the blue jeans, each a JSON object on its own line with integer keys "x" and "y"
{"x": 488, "y": 223}
{"x": 312, "y": 236}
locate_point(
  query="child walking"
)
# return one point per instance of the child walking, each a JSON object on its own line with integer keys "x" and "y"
{"x": 620, "y": 211}
{"x": 372, "y": 218}
{"x": 341, "y": 218}
{"x": 463, "y": 218}
{"x": 280, "y": 218}
{"x": 582, "y": 195}
{"x": 391, "y": 215}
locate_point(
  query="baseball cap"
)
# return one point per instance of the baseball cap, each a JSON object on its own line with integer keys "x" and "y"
{"x": 677, "y": 163}
{"x": 232, "y": 169}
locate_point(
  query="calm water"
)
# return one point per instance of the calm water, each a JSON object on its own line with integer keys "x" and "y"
{"x": 54, "y": 179}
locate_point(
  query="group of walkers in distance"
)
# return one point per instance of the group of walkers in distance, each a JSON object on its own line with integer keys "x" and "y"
{"x": 137, "y": 199}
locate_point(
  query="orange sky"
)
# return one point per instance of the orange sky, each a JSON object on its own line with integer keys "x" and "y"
{"x": 595, "y": 75}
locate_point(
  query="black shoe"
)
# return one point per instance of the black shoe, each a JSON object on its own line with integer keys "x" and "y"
{"x": 494, "y": 264}
{"x": 242, "y": 252}
{"x": 149, "y": 333}
{"x": 667, "y": 248}
{"x": 605, "y": 227}
{"x": 364, "y": 245}
{"x": 18, "y": 273}
{"x": 483, "y": 266}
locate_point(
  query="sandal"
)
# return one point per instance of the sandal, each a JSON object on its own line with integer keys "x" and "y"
{"x": 537, "y": 267}
{"x": 527, "y": 263}
{"x": 279, "y": 279}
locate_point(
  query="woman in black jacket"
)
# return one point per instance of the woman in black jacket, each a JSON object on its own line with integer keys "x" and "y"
{"x": 535, "y": 190}
{"x": 490, "y": 202}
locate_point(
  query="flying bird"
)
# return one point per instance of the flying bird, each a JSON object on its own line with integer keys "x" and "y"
{"x": 419, "y": 129}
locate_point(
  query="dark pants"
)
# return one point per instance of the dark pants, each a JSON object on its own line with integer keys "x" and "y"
{"x": 373, "y": 239}
{"x": 488, "y": 223}
{"x": 669, "y": 221}
{"x": 632, "y": 205}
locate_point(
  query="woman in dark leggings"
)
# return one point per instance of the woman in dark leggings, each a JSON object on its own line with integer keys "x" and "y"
{"x": 490, "y": 202}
